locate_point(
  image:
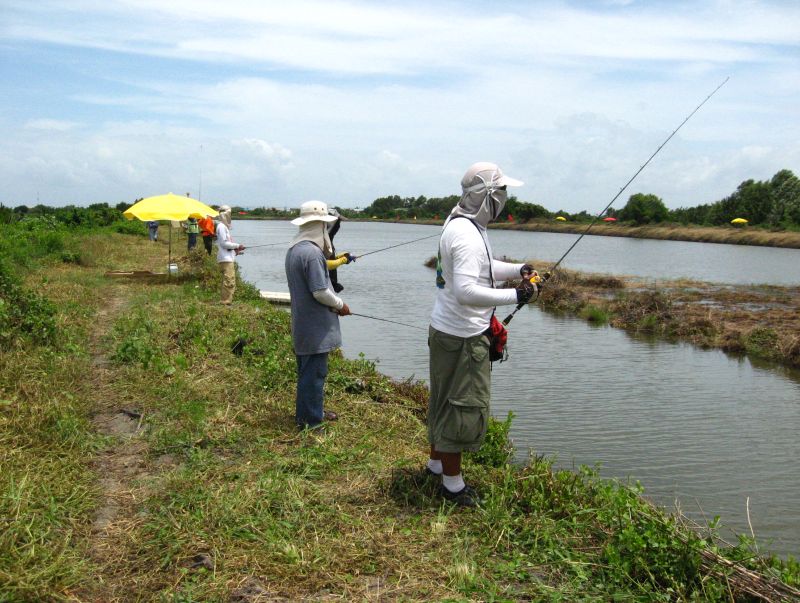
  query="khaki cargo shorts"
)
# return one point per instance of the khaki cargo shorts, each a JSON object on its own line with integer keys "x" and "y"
{"x": 460, "y": 384}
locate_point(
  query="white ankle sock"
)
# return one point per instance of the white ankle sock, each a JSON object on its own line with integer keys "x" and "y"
{"x": 435, "y": 466}
{"x": 454, "y": 483}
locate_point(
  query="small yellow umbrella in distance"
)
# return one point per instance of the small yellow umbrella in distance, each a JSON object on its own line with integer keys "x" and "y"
{"x": 738, "y": 221}
{"x": 561, "y": 218}
{"x": 168, "y": 207}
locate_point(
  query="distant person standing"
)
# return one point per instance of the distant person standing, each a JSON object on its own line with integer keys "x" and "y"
{"x": 315, "y": 312}
{"x": 337, "y": 259}
{"x": 152, "y": 228}
{"x": 207, "y": 230}
{"x": 226, "y": 255}
{"x": 192, "y": 230}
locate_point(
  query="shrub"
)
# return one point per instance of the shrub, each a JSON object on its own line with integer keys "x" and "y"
{"x": 497, "y": 448}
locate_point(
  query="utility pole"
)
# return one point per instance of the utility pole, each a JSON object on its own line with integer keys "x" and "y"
{"x": 200, "y": 189}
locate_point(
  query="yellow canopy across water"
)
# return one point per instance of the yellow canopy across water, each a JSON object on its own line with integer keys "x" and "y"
{"x": 561, "y": 218}
{"x": 738, "y": 221}
{"x": 169, "y": 207}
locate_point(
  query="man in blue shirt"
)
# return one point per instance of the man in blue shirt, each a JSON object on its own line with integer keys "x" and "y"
{"x": 315, "y": 311}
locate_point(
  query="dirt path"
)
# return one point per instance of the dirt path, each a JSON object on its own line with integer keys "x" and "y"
{"x": 119, "y": 466}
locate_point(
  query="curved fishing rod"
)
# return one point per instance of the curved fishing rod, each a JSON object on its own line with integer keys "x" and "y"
{"x": 632, "y": 178}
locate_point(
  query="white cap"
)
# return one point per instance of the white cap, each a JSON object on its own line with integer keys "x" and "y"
{"x": 484, "y": 173}
{"x": 313, "y": 210}
{"x": 223, "y": 208}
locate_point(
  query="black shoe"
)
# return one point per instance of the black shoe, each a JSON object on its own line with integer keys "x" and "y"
{"x": 466, "y": 497}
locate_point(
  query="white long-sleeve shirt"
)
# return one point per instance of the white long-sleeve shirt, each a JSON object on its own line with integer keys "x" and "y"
{"x": 463, "y": 308}
{"x": 225, "y": 244}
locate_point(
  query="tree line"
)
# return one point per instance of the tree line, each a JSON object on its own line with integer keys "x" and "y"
{"x": 773, "y": 203}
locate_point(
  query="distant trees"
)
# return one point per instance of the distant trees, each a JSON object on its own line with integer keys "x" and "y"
{"x": 774, "y": 203}
{"x": 643, "y": 209}
{"x": 420, "y": 207}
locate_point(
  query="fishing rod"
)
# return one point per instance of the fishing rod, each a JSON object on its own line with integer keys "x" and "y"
{"x": 355, "y": 257}
{"x": 267, "y": 245}
{"x": 597, "y": 217}
{"x": 394, "y": 322}
{"x": 402, "y": 324}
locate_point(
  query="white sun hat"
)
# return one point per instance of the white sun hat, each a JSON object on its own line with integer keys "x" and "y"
{"x": 313, "y": 210}
{"x": 483, "y": 174}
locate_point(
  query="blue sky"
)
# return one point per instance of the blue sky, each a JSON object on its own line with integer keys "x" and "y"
{"x": 273, "y": 103}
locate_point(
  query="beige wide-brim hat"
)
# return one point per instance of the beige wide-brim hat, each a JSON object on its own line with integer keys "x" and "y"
{"x": 311, "y": 211}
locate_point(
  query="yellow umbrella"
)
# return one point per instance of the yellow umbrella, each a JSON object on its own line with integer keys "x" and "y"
{"x": 561, "y": 219}
{"x": 169, "y": 207}
{"x": 738, "y": 221}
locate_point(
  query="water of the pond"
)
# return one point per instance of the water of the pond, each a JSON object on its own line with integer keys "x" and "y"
{"x": 698, "y": 427}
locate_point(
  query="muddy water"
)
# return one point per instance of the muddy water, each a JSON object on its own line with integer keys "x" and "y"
{"x": 700, "y": 428}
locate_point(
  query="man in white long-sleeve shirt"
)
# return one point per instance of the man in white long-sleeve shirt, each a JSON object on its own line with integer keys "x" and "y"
{"x": 226, "y": 255}
{"x": 315, "y": 311}
{"x": 460, "y": 377}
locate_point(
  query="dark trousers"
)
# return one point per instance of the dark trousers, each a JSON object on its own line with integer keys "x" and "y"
{"x": 192, "y": 240}
{"x": 311, "y": 372}
{"x": 207, "y": 243}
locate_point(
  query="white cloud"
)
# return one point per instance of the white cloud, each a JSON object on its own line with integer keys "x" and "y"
{"x": 347, "y": 101}
{"x": 59, "y": 125}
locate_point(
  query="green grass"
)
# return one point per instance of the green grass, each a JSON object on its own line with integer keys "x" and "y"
{"x": 226, "y": 476}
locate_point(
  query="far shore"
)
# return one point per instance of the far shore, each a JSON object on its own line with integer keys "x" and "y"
{"x": 729, "y": 235}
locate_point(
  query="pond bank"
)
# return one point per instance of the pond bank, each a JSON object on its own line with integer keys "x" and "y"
{"x": 224, "y": 501}
{"x": 671, "y": 232}
{"x": 760, "y": 321}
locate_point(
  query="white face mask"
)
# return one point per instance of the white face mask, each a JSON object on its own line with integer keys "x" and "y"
{"x": 316, "y": 232}
{"x": 482, "y": 202}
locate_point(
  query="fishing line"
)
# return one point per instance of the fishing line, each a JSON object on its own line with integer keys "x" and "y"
{"x": 402, "y": 324}
{"x": 398, "y": 245}
{"x": 632, "y": 178}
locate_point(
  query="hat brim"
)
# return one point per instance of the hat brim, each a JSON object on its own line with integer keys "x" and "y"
{"x": 306, "y": 219}
{"x": 508, "y": 181}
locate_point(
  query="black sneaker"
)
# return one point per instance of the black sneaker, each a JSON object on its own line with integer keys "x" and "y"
{"x": 466, "y": 497}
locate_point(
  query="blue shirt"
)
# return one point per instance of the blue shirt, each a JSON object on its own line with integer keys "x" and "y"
{"x": 315, "y": 329}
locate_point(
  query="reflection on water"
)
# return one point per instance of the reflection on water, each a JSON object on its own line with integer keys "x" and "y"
{"x": 700, "y": 427}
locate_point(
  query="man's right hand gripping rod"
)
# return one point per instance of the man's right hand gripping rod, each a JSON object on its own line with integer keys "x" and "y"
{"x": 536, "y": 281}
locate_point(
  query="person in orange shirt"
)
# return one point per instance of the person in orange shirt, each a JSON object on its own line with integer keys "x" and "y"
{"x": 207, "y": 230}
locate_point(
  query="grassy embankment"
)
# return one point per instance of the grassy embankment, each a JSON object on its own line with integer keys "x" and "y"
{"x": 673, "y": 232}
{"x": 761, "y": 321}
{"x": 142, "y": 460}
